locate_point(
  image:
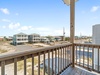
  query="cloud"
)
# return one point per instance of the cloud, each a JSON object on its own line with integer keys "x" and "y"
{"x": 3, "y": 26}
{"x": 16, "y": 14}
{"x": 5, "y": 11}
{"x": 95, "y": 8}
{"x": 94, "y": 18}
{"x": 14, "y": 26}
{"x": 24, "y": 28}
{"x": 58, "y": 32}
{"x": 51, "y": 31}
{"x": 6, "y": 20}
{"x": 42, "y": 29}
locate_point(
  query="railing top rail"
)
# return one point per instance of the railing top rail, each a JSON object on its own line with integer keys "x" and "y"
{"x": 7, "y": 56}
{"x": 90, "y": 45}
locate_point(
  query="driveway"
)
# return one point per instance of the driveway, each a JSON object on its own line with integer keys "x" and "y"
{"x": 23, "y": 47}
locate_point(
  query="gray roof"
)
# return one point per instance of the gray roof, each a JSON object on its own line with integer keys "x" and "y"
{"x": 34, "y": 34}
{"x": 21, "y": 33}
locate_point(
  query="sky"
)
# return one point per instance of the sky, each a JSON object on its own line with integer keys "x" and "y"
{"x": 47, "y": 17}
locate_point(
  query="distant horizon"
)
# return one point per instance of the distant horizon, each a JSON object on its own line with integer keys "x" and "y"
{"x": 47, "y": 17}
{"x": 46, "y": 35}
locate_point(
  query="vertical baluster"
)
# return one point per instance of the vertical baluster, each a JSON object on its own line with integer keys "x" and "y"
{"x": 98, "y": 59}
{"x": 44, "y": 64}
{"x": 79, "y": 54}
{"x": 32, "y": 64}
{"x": 65, "y": 57}
{"x": 52, "y": 63}
{"x": 83, "y": 56}
{"x": 55, "y": 60}
{"x": 76, "y": 54}
{"x": 38, "y": 63}
{"x": 2, "y": 67}
{"x": 15, "y": 66}
{"x": 49, "y": 62}
{"x": 25, "y": 65}
{"x": 88, "y": 58}
{"x": 92, "y": 58}
{"x": 61, "y": 58}
{"x": 58, "y": 60}
{"x": 70, "y": 54}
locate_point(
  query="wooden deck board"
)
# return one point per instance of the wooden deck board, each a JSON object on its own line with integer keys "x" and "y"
{"x": 77, "y": 71}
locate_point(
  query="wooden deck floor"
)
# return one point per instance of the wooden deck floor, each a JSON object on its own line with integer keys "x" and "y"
{"x": 77, "y": 71}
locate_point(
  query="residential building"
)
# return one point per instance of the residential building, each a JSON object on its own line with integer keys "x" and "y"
{"x": 20, "y": 38}
{"x": 58, "y": 38}
{"x": 1, "y": 38}
{"x": 96, "y": 40}
{"x": 96, "y": 34}
{"x": 44, "y": 39}
{"x": 51, "y": 38}
{"x": 9, "y": 38}
{"x": 34, "y": 38}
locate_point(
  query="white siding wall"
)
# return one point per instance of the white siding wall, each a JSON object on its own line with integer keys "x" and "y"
{"x": 20, "y": 39}
{"x": 96, "y": 40}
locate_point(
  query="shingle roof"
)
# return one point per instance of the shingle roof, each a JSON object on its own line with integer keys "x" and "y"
{"x": 21, "y": 33}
